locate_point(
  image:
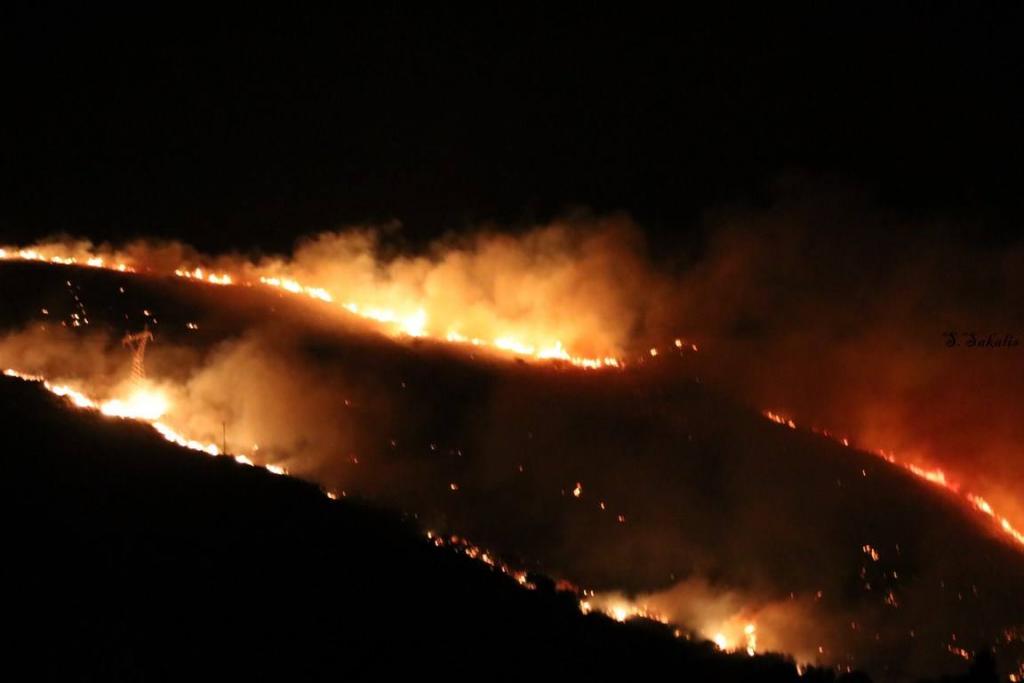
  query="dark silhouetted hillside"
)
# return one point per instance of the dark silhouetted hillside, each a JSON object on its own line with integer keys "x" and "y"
{"x": 129, "y": 558}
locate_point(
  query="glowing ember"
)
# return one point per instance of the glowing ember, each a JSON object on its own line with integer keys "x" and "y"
{"x": 959, "y": 652}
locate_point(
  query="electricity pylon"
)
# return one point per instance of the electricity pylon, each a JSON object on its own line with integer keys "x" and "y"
{"x": 137, "y": 343}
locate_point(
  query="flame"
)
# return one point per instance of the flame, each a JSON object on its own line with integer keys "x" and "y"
{"x": 199, "y": 274}
{"x": 47, "y": 255}
{"x": 297, "y": 288}
{"x": 750, "y": 631}
{"x": 143, "y": 404}
{"x": 732, "y": 637}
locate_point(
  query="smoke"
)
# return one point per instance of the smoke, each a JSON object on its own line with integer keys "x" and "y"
{"x": 829, "y": 309}
{"x": 582, "y": 283}
{"x": 64, "y": 357}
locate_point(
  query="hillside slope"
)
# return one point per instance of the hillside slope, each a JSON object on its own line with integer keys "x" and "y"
{"x": 644, "y": 482}
{"x": 129, "y": 558}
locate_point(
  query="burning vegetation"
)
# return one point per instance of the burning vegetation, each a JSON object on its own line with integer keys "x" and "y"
{"x": 603, "y": 459}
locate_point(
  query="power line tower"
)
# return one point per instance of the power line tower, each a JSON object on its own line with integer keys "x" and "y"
{"x": 137, "y": 343}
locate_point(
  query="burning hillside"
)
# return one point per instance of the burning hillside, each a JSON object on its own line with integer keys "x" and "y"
{"x": 656, "y": 495}
{"x": 702, "y": 341}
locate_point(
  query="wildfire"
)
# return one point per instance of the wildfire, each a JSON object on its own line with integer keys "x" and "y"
{"x": 415, "y": 322}
{"x": 150, "y": 405}
{"x": 411, "y": 322}
{"x": 934, "y": 476}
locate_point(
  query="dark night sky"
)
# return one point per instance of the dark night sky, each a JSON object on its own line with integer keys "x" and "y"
{"x": 248, "y": 130}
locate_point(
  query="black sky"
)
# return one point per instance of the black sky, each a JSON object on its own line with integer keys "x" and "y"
{"x": 246, "y": 130}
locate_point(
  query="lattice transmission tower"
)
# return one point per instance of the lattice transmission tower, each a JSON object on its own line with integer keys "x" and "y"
{"x": 137, "y": 343}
